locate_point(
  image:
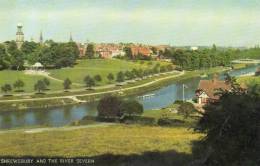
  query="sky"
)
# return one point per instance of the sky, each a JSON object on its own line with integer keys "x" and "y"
{"x": 174, "y": 22}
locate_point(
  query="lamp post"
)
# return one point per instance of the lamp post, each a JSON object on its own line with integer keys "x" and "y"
{"x": 183, "y": 92}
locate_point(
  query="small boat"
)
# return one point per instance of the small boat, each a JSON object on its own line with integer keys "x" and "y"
{"x": 146, "y": 96}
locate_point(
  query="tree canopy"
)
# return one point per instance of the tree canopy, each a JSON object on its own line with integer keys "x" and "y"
{"x": 232, "y": 127}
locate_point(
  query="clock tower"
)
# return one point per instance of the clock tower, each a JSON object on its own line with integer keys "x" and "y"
{"x": 19, "y": 36}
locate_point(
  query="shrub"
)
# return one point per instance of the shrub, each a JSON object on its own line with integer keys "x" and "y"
{"x": 109, "y": 106}
{"x": 131, "y": 107}
{"x": 98, "y": 78}
{"x": 186, "y": 109}
{"x": 138, "y": 120}
{"x": 120, "y": 77}
{"x": 169, "y": 122}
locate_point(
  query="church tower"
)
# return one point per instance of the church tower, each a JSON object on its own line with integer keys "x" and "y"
{"x": 19, "y": 36}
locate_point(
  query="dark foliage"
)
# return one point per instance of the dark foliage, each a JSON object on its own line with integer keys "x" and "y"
{"x": 232, "y": 127}
{"x": 109, "y": 106}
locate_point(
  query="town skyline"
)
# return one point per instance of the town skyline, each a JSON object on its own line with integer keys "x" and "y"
{"x": 198, "y": 23}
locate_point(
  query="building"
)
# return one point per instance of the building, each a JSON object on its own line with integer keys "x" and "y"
{"x": 108, "y": 50}
{"x": 141, "y": 50}
{"x": 82, "y": 49}
{"x": 19, "y": 36}
{"x": 207, "y": 89}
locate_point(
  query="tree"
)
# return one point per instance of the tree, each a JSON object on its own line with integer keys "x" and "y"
{"x": 65, "y": 55}
{"x": 140, "y": 73}
{"x": 169, "y": 67}
{"x": 131, "y": 107}
{"x": 128, "y": 52}
{"x": 66, "y": 84}
{"x": 98, "y": 78}
{"x": 129, "y": 75}
{"x": 120, "y": 77}
{"x": 6, "y": 88}
{"x": 29, "y": 47}
{"x": 18, "y": 84}
{"x": 45, "y": 55}
{"x": 17, "y": 60}
{"x": 40, "y": 86}
{"x": 232, "y": 128}
{"x": 109, "y": 106}
{"x": 186, "y": 109}
{"x": 134, "y": 73}
{"x": 46, "y": 82}
{"x": 163, "y": 69}
{"x": 110, "y": 77}
{"x": 89, "y": 81}
{"x": 90, "y": 52}
{"x": 214, "y": 48}
{"x": 4, "y": 58}
{"x": 16, "y": 56}
{"x": 154, "y": 50}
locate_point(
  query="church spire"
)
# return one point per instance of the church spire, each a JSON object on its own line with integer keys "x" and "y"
{"x": 41, "y": 38}
{"x": 71, "y": 40}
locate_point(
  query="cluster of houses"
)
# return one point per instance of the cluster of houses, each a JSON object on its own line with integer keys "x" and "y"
{"x": 110, "y": 50}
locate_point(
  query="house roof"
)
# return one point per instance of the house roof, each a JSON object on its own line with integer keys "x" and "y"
{"x": 142, "y": 50}
{"x": 210, "y": 87}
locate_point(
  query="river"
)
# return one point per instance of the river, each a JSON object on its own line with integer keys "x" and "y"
{"x": 64, "y": 115}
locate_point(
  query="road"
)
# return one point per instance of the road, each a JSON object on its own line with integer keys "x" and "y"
{"x": 74, "y": 97}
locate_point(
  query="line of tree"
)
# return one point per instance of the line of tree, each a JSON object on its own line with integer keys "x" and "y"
{"x": 208, "y": 57}
{"x": 18, "y": 85}
{"x": 50, "y": 54}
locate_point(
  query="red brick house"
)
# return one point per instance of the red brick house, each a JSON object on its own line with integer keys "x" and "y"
{"x": 207, "y": 89}
{"x": 136, "y": 50}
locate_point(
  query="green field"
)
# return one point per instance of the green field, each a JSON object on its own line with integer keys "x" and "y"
{"x": 10, "y": 76}
{"x": 98, "y": 66}
{"x": 95, "y": 141}
{"x": 76, "y": 74}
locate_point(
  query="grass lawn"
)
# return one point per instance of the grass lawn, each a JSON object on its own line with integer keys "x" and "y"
{"x": 169, "y": 113}
{"x": 249, "y": 80}
{"x": 77, "y": 73}
{"x": 95, "y": 141}
{"x": 10, "y": 76}
{"x": 239, "y": 65}
{"x": 102, "y": 67}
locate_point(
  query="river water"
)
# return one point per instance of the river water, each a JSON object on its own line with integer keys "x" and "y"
{"x": 64, "y": 115}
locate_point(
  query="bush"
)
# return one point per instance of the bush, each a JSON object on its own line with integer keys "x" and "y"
{"x": 131, "y": 107}
{"x": 186, "y": 109}
{"x": 109, "y": 106}
{"x": 108, "y": 119}
{"x": 85, "y": 121}
{"x": 169, "y": 122}
{"x": 178, "y": 102}
{"x": 138, "y": 120}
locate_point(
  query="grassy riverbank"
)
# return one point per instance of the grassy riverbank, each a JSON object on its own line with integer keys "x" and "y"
{"x": 128, "y": 89}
